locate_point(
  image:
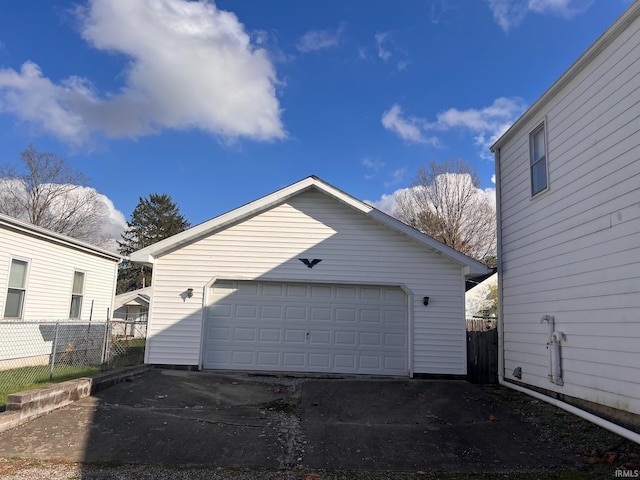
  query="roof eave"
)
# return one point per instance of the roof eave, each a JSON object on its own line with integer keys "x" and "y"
{"x": 57, "y": 238}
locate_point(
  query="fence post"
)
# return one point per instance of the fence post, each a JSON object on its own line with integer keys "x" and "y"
{"x": 105, "y": 340}
{"x": 53, "y": 353}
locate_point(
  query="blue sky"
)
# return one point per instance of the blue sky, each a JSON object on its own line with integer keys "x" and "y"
{"x": 218, "y": 104}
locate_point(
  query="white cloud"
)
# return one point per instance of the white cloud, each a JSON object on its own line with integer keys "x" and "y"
{"x": 509, "y": 14}
{"x": 387, "y": 47}
{"x": 372, "y": 166}
{"x": 381, "y": 43}
{"x": 486, "y": 124}
{"x": 320, "y": 39}
{"x": 396, "y": 177}
{"x": 115, "y": 221}
{"x": 191, "y": 65}
{"x": 564, "y": 8}
{"x": 387, "y": 202}
{"x": 409, "y": 129}
{"x": 40, "y": 103}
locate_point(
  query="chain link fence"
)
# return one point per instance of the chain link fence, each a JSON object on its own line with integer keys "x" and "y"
{"x": 36, "y": 353}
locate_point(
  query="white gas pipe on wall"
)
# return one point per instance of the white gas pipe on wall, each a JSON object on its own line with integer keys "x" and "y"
{"x": 555, "y": 363}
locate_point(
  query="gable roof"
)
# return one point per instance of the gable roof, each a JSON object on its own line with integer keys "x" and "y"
{"x": 148, "y": 254}
{"x": 47, "y": 235}
{"x": 135, "y": 297}
{"x": 609, "y": 35}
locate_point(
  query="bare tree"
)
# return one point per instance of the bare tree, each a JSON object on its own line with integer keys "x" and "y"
{"x": 47, "y": 192}
{"x": 446, "y": 203}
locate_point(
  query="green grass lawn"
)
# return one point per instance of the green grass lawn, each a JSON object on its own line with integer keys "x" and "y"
{"x": 27, "y": 378}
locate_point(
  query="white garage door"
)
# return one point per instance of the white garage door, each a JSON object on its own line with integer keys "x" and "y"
{"x": 306, "y": 328}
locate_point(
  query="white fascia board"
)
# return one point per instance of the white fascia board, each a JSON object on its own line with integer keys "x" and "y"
{"x": 609, "y": 35}
{"x": 57, "y": 238}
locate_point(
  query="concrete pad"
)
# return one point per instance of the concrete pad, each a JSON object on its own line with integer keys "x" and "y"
{"x": 239, "y": 419}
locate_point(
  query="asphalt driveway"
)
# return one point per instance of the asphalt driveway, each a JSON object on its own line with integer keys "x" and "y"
{"x": 173, "y": 417}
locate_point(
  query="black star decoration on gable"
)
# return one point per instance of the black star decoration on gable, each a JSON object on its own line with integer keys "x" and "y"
{"x": 310, "y": 263}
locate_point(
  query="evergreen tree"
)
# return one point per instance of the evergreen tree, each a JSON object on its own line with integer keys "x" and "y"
{"x": 154, "y": 219}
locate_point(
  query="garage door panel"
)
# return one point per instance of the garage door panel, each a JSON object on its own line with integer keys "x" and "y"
{"x": 346, "y": 315}
{"x": 395, "y": 340}
{"x": 270, "y": 311}
{"x": 221, "y": 310}
{"x": 246, "y": 312}
{"x": 296, "y": 313}
{"x": 395, "y": 317}
{"x": 344, "y": 338}
{"x": 270, "y": 335}
{"x": 346, "y": 292}
{"x": 218, "y": 333}
{"x": 320, "y": 314}
{"x": 244, "y": 334}
{"x": 269, "y": 359}
{"x": 295, "y": 336}
{"x": 294, "y": 361}
{"x": 296, "y": 290}
{"x": 307, "y": 328}
{"x": 371, "y": 316}
{"x": 371, "y": 339}
{"x": 243, "y": 358}
{"x": 272, "y": 289}
{"x": 245, "y": 289}
{"x": 320, "y": 360}
{"x": 319, "y": 337}
{"x": 371, "y": 362}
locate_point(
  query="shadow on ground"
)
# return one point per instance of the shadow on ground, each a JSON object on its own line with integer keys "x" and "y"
{"x": 255, "y": 426}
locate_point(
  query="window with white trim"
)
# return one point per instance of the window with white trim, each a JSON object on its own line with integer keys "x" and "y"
{"x": 77, "y": 294}
{"x": 538, "y": 154}
{"x": 16, "y": 289}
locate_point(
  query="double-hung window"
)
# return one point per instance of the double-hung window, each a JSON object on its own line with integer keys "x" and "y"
{"x": 538, "y": 154}
{"x": 16, "y": 289}
{"x": 77, "y": 294}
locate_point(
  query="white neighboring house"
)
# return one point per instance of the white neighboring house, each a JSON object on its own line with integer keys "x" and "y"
{"x": 307, "y": 279}
{"x": 46, "y": 276}
{"x": 131, "y": 311}
{"x": 568, "y": 198}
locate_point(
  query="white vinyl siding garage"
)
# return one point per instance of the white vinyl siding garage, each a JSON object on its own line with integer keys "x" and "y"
{"x": 306, "y": 327}
{"x": 264, "y": 242}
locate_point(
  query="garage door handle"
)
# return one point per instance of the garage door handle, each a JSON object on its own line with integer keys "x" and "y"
{"x": 307, "y": 336}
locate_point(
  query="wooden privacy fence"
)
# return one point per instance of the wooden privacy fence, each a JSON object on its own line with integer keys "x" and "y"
{"x": 482, "y": 350}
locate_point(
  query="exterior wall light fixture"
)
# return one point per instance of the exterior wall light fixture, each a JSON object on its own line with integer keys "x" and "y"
{"x": 189, "y": 292}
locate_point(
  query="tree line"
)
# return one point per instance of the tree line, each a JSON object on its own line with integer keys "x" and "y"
{"x": 444, "y": 201}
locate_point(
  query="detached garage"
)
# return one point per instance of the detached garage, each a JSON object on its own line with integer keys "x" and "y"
{"x": 308, "y": 279}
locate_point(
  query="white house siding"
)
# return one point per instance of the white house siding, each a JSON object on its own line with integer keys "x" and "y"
{"x": 574, "y": 252}
{"x": 354, "y": 250}
{"x": 49, "y": 285}
{"x": 50, "y": 277}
